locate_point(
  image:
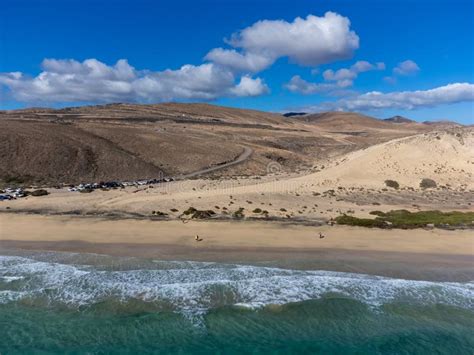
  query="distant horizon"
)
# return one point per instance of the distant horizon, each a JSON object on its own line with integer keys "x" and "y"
{"x": 283, "y": 112}
{"x": 310, "y": 56}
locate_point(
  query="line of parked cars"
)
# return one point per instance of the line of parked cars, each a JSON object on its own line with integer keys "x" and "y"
{"x": 115, "y": 184}
{"x": 12, "y": 194}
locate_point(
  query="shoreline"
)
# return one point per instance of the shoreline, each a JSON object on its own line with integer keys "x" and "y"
{"x": 434, "y": 254}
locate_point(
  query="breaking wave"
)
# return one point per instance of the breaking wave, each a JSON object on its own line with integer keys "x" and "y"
{"x": 195, "y": 287}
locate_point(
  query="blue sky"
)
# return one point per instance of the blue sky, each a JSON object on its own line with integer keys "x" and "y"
{"x": 278, "y": 65}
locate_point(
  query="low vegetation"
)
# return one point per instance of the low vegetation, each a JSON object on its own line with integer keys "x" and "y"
{"x": 393, "y": 184}
{"x": 406, "y": 220}
{"x": 428, "y": 184}
{"x": 159, "y": 213}
{"x": 199, "y": 214}
{"x": 239, "y": 214}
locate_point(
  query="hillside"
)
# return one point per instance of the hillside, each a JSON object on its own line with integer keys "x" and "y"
{"x": 127, "y": 142}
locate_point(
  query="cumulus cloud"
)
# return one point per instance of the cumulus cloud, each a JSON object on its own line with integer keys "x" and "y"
{"x": 94, "y": 81}
{"x": 299, "y": 85}
{"x": 250, "y": 87}
{"x": 408, "y": 100}
{"x": 230, "y": 58}
{"x": 311, "y": 41}
{"x": 405, "y": 68}
{"x": 226, "y": 72}
{"x": 339, "y": 79}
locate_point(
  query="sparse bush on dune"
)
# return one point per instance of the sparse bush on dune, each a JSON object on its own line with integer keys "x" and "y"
{"x": 392, "y": 183}
{"x": 198, "y": 214}
{"x": 257, "y": 210}
{"x": 159, "y": 213}
{"x": 203, "y": 214}
{"x": 427, "y": 183}
{"x": 189, "y": 211}
{"x": 239, "y": 213}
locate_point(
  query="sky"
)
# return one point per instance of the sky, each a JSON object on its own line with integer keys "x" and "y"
{"x": 377, "y": 57}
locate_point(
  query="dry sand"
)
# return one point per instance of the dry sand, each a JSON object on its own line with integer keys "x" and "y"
{"x": 415, "y": 254}
{"x": 223, "y": 234}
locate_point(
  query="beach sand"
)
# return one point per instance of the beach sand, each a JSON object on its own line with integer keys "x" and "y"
{"x": 416, "y": 254}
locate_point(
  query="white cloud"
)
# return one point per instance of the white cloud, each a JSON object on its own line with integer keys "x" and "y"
{"x": 409, "y": 100}
{"x": 227, "y": 72}
{"x": 248, "y": 62}
{"x": 341, "y": 79}
{"x": 250, "y": 87}
{"x": 94, "y": 81}
{"x": 310, "y": 41}
{"x": 299, "y": 85}
{"x": 345, "y": 76}
{"x": 406, "y": 67}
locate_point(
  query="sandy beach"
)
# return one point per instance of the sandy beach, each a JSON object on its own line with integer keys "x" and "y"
{"x": 419, "y": 253}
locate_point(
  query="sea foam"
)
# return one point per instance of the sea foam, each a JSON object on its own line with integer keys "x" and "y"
{"x": 195, "y": 287}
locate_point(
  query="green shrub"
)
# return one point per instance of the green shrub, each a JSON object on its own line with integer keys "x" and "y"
{"x": 257, "y": 210}
{"x": 407, "y": 220}
{"x": 377, "y": 213}
{"x": 239, "y": 213}
{"x": 362, "y": 222}
{"x": 189, "y": 211}
{"x": 392, "y": 183}
{"x": 427, "y": 183}
{"x": 203, "y": 214}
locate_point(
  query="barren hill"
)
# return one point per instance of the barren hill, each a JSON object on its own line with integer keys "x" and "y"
{"x": 125, "y": 141}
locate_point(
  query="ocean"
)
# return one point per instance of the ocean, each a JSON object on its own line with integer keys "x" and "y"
{"x": 57, "y": 303}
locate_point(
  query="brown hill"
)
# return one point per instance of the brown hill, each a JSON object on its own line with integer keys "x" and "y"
{"x": 346, "y": 121}
{"x": 125, "y": 141}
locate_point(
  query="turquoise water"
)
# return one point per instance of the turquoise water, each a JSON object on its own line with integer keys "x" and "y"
{"x": 60, "y": 302}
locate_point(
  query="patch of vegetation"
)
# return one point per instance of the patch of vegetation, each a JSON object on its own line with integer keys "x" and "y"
{"x": 407, "y": 220}
{"x": 392, "y": 183}
{"x": 427, "y": 183}
{"x": 283, "y": 209}
{"x": 204, "y": 214}
{"x": 159, "y": 213}
{"x": 40, "y": 192}
{"x": 361, "y": 222}
{"x": 239, "y": 213}
{"x": 189, "y": 211}
{"x": 173, "y": 210}
{"x": 198, "y": 214}
{"x": 257, "y": 210}
{"x": 377, "y": 213}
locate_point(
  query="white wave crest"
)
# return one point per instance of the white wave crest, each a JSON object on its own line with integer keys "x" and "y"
{"x": 196, "y": 287}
